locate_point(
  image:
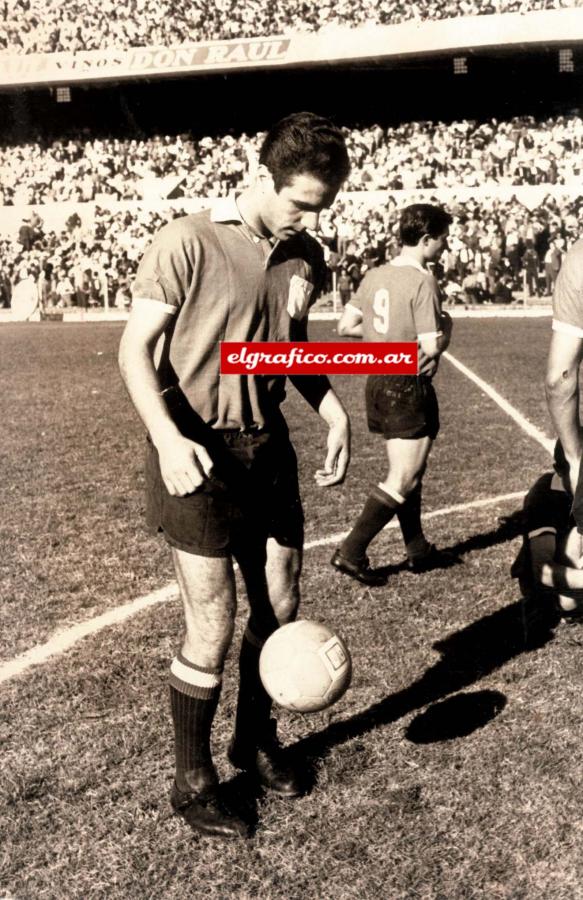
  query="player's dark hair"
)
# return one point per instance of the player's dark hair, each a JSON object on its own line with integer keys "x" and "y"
{"x": 305, "y": 144}
{"x": 420, "y": 219}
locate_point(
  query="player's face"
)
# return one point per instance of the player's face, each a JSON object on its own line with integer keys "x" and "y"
{"x": 435, "y": 246}
{"x": 296, "y": 206}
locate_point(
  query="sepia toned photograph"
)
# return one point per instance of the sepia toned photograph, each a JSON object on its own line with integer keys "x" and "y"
{"x": 291, "y": 569}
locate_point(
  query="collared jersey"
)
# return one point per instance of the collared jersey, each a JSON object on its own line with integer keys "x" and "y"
{"x": 399, "y": 301}
{"x": 221, "y": 282}
{"x": 568, "y": 293}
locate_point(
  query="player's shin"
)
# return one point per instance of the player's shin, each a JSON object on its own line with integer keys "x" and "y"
{"x": 379, "y": 509}
{"x": 255, "y": 747}
{"x": 194, "y": 695}
{"x": 409, "y": 516}
{"x": 252, "y": 721}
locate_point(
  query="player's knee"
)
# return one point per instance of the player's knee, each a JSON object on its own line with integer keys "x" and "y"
{"x": 402, "y": 484}
{"x": 286, "y": 606}
{"x": 412, "y": 483}
{"x": 284, "y": 595}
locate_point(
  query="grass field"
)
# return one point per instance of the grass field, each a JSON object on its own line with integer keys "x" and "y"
{"x": 451, "y": 769}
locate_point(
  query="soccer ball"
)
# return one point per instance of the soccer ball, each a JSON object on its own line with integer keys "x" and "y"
{"x": 304, "y": 666}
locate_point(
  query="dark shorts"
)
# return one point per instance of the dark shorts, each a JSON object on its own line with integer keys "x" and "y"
{"x": 253, "y": 494}
{"x": 402, "y": 406}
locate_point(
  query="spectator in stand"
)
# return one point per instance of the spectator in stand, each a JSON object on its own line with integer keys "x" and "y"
{"x": 474, "y": 286}
{"x": 552, "y": 260}
{"x": 46, "y": 287}
{"x": 114, "y": 242}
{"x": 5, "y": 286}
{"x": 73, "y": 25}
{"x": 502, "y": 291}
{"x": 26, "y": 235}
{"x": 531, "y": 263}
{"x": 344, "y": 285}
{"x": 412, "y": 155}
{"x": 64, "y": 289}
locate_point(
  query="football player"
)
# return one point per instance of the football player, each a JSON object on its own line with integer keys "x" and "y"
{"x": 549, "y": 566}
{"x": 221, "y": 473}
{"x": 401, "y": 301}
{"x": 562, "y": 377}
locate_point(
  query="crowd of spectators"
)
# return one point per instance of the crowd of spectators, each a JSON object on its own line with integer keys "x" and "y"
{"x": 517, "y": 151}
{"x": 79, "y": 266}
{"x": 38, "y": 26}
{"x": 497, "y": 248}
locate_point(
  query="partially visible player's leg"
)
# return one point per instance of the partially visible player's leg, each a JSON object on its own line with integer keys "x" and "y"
{"x": 207, "y": 587}
{"x": 407, "y": 463}
{"x": 397, "y": 408}
{"x": 407, "y": 459}
{"x": 272, "y": 584}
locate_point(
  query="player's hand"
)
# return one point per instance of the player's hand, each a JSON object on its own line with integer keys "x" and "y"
{"x": 427, "y": 365}
{"x": 338, "y": 456}
{"x": 446, "y": 322}
{"x": 184, "y": 465}
{"x": 573, "y": 476}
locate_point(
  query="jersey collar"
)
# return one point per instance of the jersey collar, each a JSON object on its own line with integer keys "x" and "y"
{"x": 408, "y": 261}
{"x": 225, "y": 209}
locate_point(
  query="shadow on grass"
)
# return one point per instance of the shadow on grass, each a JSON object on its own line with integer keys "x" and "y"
{"x": 509, "y": 528}
{"x": 467, "y": 656}
{"x": 455, "y": 717}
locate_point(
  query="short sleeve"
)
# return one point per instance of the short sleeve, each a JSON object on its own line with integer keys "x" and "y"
{"x": 165, "y": 270}
{"x": 568, "y": 294}
{"x": 427, "y": 307}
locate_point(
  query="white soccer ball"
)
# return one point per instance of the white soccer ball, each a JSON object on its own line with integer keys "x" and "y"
{"x": 304, "y": 666}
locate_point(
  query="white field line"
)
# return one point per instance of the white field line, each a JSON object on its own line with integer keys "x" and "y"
{"x": 510, "y": 410}
{"x": 446, "y": 511}
{"x": 63, "y": 640}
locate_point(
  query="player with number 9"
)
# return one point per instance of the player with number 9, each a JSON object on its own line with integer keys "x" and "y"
{"x": 401, "y": 301}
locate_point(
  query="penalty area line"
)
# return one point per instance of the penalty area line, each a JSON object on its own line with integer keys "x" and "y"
{"x": 68, "y": 637}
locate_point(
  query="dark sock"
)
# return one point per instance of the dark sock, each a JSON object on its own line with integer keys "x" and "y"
{"x": 409, "y": 516}
{"x": 194, "y": 695}
{"x": 252, "y": 721}
{"x": 379, "y": 509}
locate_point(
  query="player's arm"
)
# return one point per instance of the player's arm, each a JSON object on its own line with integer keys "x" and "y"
{"x": 546, "y": 570}
{"x": 562, "y": 392}
{"x": 350, "y": 323}
{"x": 434, "y": 327}
{"x": 183, "y": 463}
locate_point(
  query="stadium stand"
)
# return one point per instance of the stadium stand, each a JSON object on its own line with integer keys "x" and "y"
{"x": 411, "y": 156}
{"x": 497, "y": 247}
{"x": 31, "y": 26}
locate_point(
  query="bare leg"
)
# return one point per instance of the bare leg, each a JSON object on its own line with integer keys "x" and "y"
{"x": 207, "y": 587}
{"x": 407, "y": 462}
